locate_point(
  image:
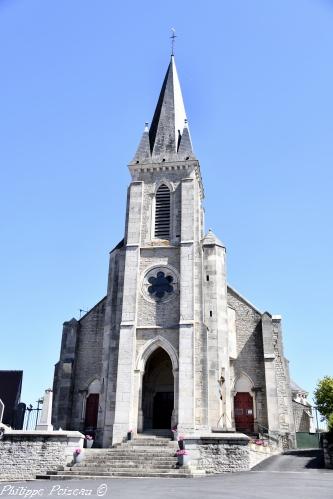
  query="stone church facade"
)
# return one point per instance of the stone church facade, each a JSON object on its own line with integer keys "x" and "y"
{"x": 171, "y": 344}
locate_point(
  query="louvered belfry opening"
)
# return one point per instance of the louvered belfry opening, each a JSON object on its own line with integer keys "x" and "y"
{"x": 162, "y": 212}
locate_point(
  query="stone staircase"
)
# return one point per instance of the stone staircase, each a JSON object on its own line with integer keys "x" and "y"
{"x": 144, "y": 456}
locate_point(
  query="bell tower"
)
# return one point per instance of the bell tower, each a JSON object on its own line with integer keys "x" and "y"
{"x": 160, "y": 304}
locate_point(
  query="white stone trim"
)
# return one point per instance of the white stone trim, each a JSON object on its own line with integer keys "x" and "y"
{"x": 150, "y": 346}
{"x": 251, "y": 392}
{"x": 243, "y": 373}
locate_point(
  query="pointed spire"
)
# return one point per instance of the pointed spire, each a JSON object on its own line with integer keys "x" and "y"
{"x": 143, "y": 150}
{"x": 185, "y": 150}
{"x": 168, "y": 137}
{"x": 168, "y": 121}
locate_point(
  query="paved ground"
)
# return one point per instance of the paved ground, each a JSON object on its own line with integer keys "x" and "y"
{"x": 296, "y": 475}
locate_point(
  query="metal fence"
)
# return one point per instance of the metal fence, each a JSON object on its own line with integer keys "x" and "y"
{"x": 32, "y": 416}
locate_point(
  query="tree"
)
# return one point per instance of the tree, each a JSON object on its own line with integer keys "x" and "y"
{"x": 324, "y": 399}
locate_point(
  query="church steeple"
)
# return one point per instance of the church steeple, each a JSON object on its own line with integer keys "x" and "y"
{"x": 168, "y": 137}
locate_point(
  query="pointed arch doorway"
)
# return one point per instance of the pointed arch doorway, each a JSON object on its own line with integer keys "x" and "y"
{"x": 244, "y": 408}
{"x": 158, "y": 392}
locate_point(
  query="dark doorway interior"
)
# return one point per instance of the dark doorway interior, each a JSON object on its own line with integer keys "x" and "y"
{"x": 158, "y": 391}
{"x": 90, "y": 422}
{"x": 162, "y": 410}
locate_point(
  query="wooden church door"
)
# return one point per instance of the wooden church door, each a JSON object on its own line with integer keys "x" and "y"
{"x": 243, "y": 406}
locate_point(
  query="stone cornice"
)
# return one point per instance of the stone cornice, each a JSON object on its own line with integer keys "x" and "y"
{"x": 168, "y": 166}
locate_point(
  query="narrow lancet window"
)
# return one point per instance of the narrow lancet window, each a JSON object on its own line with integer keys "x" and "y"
{"x": 162, "y": 212}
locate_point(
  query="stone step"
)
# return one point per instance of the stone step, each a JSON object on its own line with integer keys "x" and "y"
{"x": 122, "y": 466}
{"x": 137, "y": 448}
{"x": 73, "y": 476}
{"x": 130, "y": 455}
{"x": 86, "y": 463}
{"x": 142, "y": 457}
{"x": 146, "y": 447}
{"x": 163, "y": 433}
{"x": 125, "y": 472}
{"x": 129, "y": 451}
{"x": 150, "y": 438}
{"x": 149, "y": 441}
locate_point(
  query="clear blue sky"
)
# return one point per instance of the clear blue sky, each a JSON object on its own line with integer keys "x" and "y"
{"x": 78, "y": 81}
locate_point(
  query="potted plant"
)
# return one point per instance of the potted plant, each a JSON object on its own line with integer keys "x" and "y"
{"x": 129, "y": 434}
{"x": 89, "y": 441}
{"x": 78, "y": 455}
{"x": 183, "y": 457}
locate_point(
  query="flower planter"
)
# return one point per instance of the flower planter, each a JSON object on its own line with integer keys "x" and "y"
{"x": 129, "y": 435}
{"x": 78, "y": 458}
{"x": 184, "y": 460}
{"x": 90, "y": 443}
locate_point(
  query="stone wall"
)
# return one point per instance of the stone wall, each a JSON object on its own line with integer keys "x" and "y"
{"x": 151, "y": 181}
{"x": 219, "y": 453}
{"x": 110, "y": 350}
{"x": 328, "y": 450}
{"x": 286, "y": 419}
{"x": 250, "y": 357}
{"x": 63, "y": 377}
{"x": 80, "y": 363}
{"x": 301, "y": 417}
{"x": 88, "y": 359}
{"x": 25, "y": 454}
{"x": 259, "y": 453}
{"x": 150, "y": 312}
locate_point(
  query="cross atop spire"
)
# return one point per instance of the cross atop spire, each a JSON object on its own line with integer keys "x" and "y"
{"x": 173, "y": 39}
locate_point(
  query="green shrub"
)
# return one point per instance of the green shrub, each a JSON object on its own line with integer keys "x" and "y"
{"x": 330, "y": 423}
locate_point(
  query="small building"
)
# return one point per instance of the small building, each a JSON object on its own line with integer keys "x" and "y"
{"x": 302, "y": 409}
{"x": 10, "y": 394}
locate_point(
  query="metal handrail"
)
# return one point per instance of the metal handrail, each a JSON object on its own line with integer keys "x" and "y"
{"x": 269, "y": 436}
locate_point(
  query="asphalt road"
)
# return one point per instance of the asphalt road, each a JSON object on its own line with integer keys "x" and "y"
{"x": 296, "y": 475}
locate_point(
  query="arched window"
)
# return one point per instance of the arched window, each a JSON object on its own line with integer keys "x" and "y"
{"x": 162, "y": 212}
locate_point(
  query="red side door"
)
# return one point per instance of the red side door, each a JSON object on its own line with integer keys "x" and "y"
{"x": 243, "y": 406}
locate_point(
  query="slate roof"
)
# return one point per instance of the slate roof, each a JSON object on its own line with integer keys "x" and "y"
{"x": 168, "y": 137}
{"x": 296, "y": 388}
{"x": 211, "y": 239}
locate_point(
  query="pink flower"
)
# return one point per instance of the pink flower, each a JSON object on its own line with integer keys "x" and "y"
{"x": 182, "y": 452}
{"x": 77, "y": 451}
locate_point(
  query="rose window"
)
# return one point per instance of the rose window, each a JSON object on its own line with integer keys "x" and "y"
{"x": 160, "y": 285}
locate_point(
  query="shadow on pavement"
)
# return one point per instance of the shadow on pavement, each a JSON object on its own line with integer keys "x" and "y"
{"x": 317, "y": 455}
{"x": 293, "y": 460}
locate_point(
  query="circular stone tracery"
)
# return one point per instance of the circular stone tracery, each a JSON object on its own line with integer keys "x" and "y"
{"x": 160, "y": 283}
